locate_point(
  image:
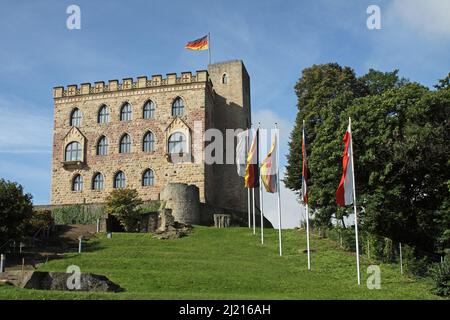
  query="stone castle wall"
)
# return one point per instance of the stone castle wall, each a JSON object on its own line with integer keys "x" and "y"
{"x": 208, "y": 102}
{"x": 136, "y": 162}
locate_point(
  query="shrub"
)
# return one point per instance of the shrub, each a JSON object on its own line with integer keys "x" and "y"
{"x": 152, "y": 206}
{"x": 125, "y": 204}
{"x": 440, "y": 273}
{"x": 76, "y": 214}
{"x": 16, "y": 209}
{"x": 413, "y": 263}
{"x": 40, "y": 219}
{"x": 348, "y": 238}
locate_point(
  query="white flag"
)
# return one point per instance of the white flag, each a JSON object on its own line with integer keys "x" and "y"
{"x": 241, "y": 152}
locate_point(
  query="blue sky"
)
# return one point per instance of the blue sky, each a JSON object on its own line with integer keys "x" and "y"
{"x": 276, "y": 40}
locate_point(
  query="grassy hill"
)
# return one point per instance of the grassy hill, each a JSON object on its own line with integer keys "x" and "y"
{"x": 224, "y": 264}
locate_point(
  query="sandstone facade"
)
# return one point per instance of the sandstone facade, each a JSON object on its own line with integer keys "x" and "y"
{"x": 218, "y": 98}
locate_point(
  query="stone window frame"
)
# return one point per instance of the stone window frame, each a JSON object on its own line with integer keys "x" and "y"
{"x": 74, "y": 135}
{"x": 115, "y": 180}
{"x": 78, "y": 119}
{"x": 79, "y": 152}
{"x": 102, "y": 107}
{"x": 183, "y": 107}
{"x": 130, "y": 112}
{"x": 97, "y": 146}
{"x": 77, "y": 183}
{"x": 94, "y": 182}
{"x": 186, "y": 141}
{"x": 153, "y": 177}
{"x": 130, "y": 143}
{"x": 153, "y": 141}
{"x": 152, "y": 116}
{"x": 225, "y": 79}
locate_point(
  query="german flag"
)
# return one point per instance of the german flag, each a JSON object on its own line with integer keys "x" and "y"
{"x": 199, "y": 44}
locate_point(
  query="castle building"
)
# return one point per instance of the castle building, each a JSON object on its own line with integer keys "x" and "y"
{"x": 141, "y": 134}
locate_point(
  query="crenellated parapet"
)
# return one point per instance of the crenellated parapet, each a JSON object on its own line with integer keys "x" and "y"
{"x": 130, "y": 84}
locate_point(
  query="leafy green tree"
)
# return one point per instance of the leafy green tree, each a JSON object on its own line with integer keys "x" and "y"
{"x": 378, "y": 82}
{"x": 401, "y": 152}
{"x": 324, "y": 92}
{"x": 443, "y": 83}
{"x": 400, "y": 138}
{"x": 125, "y": 205}
{"x": 317, "y": 86}
{"x": 16, "y": 209}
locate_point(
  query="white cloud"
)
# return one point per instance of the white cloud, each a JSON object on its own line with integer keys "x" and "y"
{"x": 427, "y": 18}
{"x": 22, "y": 128}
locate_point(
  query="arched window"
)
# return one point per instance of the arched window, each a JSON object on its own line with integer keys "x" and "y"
{"x": 149, "y": 110}
{"x": 148, "y": 178}
{"x": 125, "y": 112}
{"x": 178, "y": 107}
{"x": 73, "y": 152}
{"x": 119, "y": 180}
{"x": 77, "y": 183}
{"x": 97, "y": 181}
{"x": 103, "y": 114}
{"x": 177, "y": 143}
{"x": 149, "y": 142}
{"x": 225, "y": 79}
{"x": 125, "y": 144}
{"x": 102, "y": 146}
{"x": 75, "y": 118}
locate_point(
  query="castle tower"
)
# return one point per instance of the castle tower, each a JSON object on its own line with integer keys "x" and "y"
{"x": 231, "y": 84}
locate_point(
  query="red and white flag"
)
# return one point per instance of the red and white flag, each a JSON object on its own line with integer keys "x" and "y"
{"x": 344, "y": 192}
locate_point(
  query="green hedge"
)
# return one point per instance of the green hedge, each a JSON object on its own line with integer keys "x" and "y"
{"x": 80, "y": 214}
{"x": 77, "y": 214}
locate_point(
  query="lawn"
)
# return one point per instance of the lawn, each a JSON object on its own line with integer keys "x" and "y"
{"x": 225, "y": 264}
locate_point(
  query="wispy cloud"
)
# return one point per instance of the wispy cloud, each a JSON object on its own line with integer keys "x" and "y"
{"x": 425, "y": 18}
{"x": 23, "y": 129}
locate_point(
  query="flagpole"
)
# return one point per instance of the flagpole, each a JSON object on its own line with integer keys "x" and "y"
{"x": 254, "y": 210}
{"x": 254, "y": 217}
{"x": 354, "y": 202}
{"x": 306, "y": 206}
{"x": 249, "y": 195}
{"x": 279, "y": 189}
{"x": 261, "y": 203}
{"x": 209, "y": 47}
{"x": 247, "y": 142}
{"x": 307, "y": 237}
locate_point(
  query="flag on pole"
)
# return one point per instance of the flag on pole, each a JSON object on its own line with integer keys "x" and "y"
{"x": 269, "y": 169}
{"x": 199, "y": 44}
{"x": 241, "y": 152}
{"x": 304, "y": 169}
{"x": 252, "y": 170}
{"x": 344, "y": 192}
{"x": 305, "y": 192}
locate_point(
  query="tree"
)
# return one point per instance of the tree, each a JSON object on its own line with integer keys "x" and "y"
{"x": 125, "y": 205}
{"x": 317, "y": 86}
{"x": 400, "y": 139}
{"x": 443, "y": 83}
{"x": 16, "y": 209}
{"x": 401, "y": 152}
{"x": 378, "y": 82}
